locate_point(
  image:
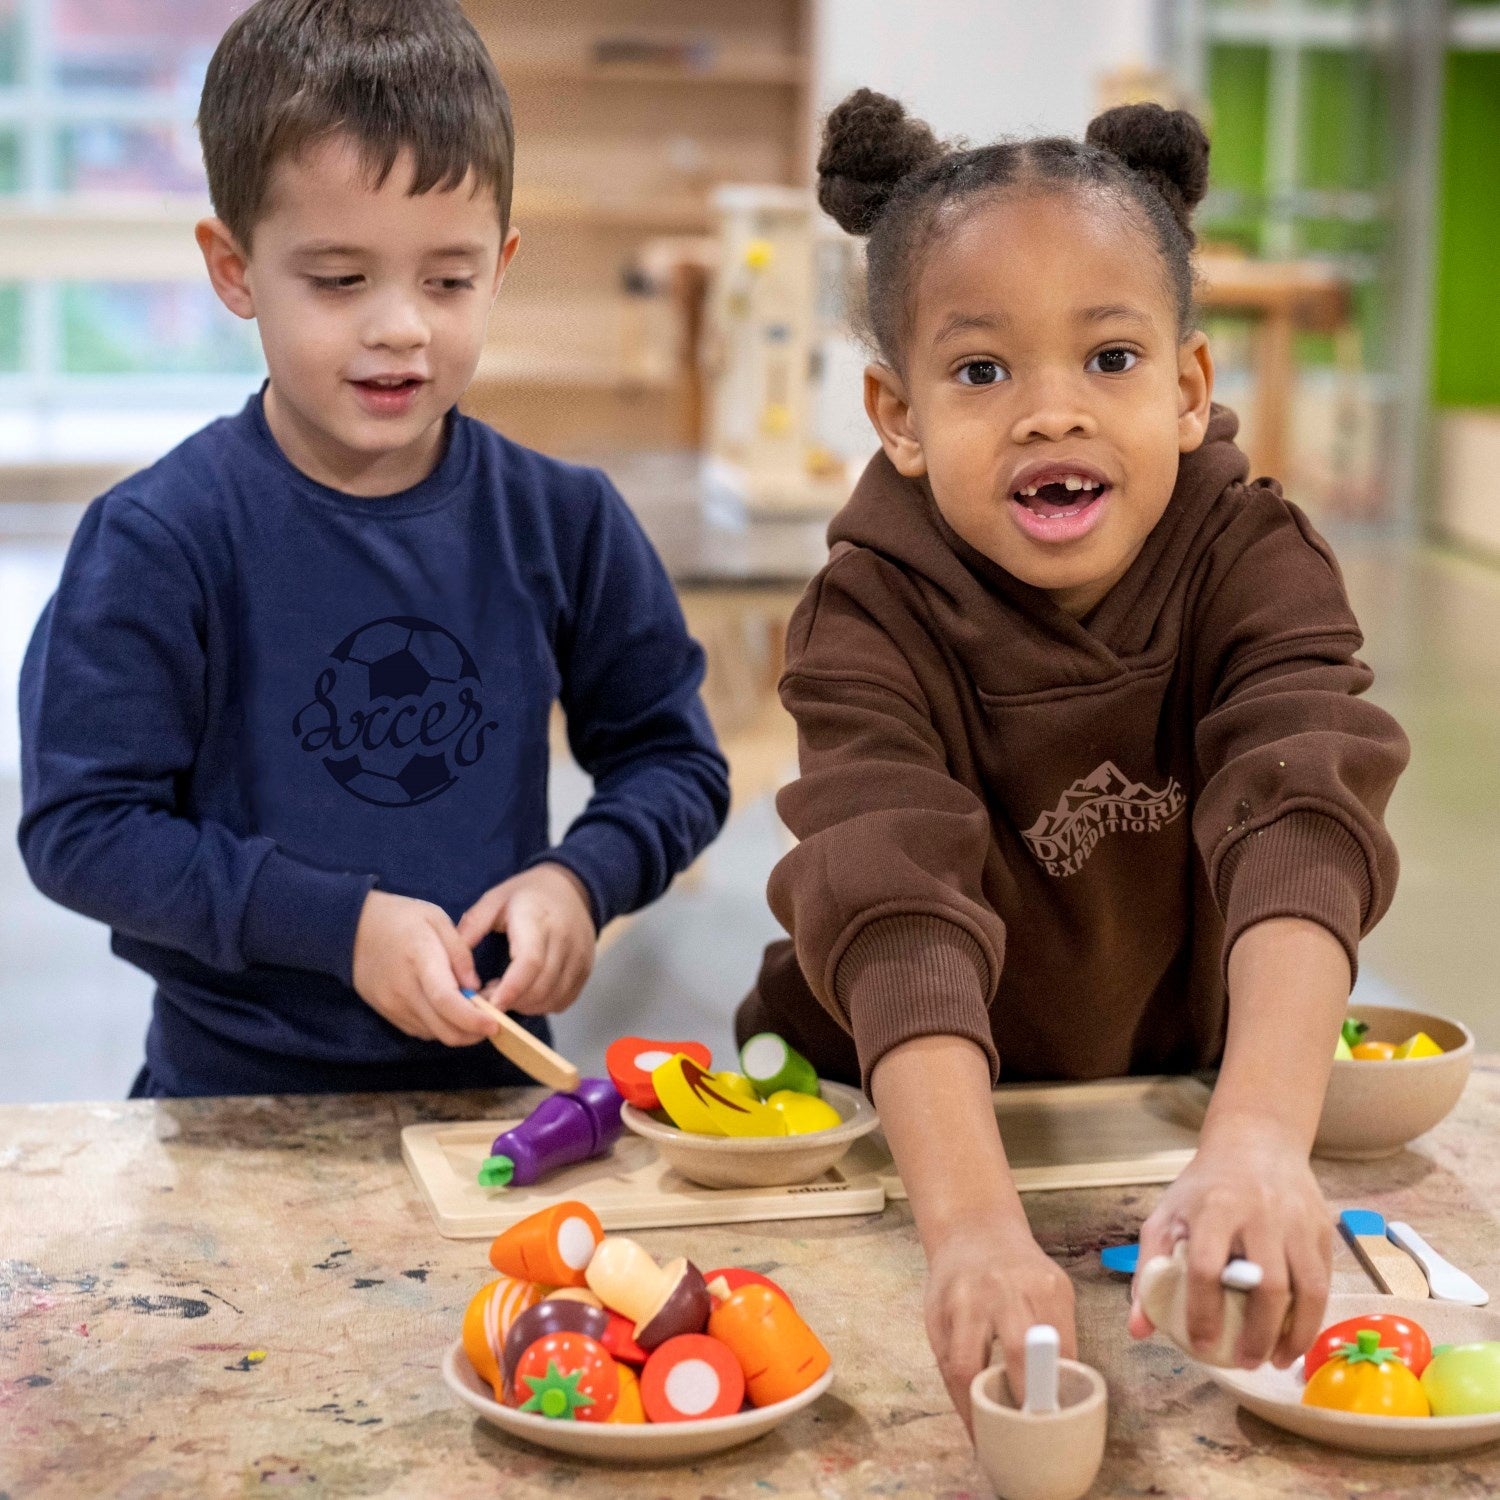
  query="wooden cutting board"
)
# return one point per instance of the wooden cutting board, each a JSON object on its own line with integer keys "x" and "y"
{"x": 1114, "y": 1133}
{"x": 631, "y": 1188}
{"x": 1117, "y": 1132}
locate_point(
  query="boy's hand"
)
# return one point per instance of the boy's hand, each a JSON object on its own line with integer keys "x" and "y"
{"x": 992, "y": 1282}
{"x": 544, "y": 913}
{"x": 1249, "y": 1191}
{"x": 409, "y": 962}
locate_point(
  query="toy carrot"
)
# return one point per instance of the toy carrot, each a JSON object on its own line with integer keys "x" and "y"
{"x": 553, "y": 1247}
{"x": 779, "y": 1354}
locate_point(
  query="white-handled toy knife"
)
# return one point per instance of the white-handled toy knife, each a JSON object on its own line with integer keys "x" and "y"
{"x": 1444, "y": 1280}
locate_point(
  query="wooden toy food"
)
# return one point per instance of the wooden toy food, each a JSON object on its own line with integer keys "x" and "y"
{"x": 661, "y": 1301}
{"x": 561, "y": 1130}
{"x": 694, "y": 1101}
{"x": 620, "y": 1340}
{"x": 1374, "y": 1052}
{"x": 778, "y": 1353}
{"x": 1463, "y": 1380}
{"x": 803, "y": 1113}
{"x": 692, "y": 1378}
{"x": 737, "y": 1086}
{"x": 553, "y": 1246}
{"x": 488, "y": 1319}
{"x": 1418, "y": 1045}
{"x": 1407, "y": 1340}
{"x": 1353, "y": 1038}
{"x": 1162, "y": 1289}
{"x": 1363, "y": 1377}
{"x": 772, "y": 1064}
{"x": 551, "y": 1315}
{"x": 732, "y": 1278}
{"x": 630, "y": 1061}
{"x": 629, "y": 1407}
{"x": 567, "y": 1377}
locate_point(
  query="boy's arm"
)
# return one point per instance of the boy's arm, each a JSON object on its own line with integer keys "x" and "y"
{"x": 112, "y": 710}
{"x": 630, "y": 679}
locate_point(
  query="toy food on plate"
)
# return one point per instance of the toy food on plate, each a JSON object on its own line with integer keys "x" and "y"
{"x": 803, "y": 1113}
{"x": 1410, "y": 1342}
{"x": 568, "y": 1377}
{"x": 630, "y": 1061}
{"x": 1463, "y": 1380}
{"x": 557, "y": 1355}
{"x": 779, "y": 1354}
{"x": 694, "y": 1100}
{"x": 772, "y": 1064}
{"x": 1362, "y": 1377}
{"x": 562, "y": 1130}
{"x": 551, "y": 1315}
{"x": 488, "y": 1319}
{"x": 1352, "y": 1044}
{"x": 552, "y": 1247}
{"x": 692, "y": 1378}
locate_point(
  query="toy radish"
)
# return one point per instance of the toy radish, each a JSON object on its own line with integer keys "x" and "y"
{"x": 630, "y": 1061}
{"x": 553, "y": 1247}
{"x": 692, "y": 1378}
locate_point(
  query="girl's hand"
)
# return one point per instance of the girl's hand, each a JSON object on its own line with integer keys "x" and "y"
{"x": 1249, "y": 1191}
{"x": 986, "y": 1283}
{"x": 544, "y": 913}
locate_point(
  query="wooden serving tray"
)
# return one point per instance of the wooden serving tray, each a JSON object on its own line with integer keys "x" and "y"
{"x": 1117, "y": 1132}
{"x": 631, "y": 1188}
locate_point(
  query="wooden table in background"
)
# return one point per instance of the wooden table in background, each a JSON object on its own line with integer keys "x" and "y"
{"x": 1283, "y": 297}
{"x": 151, "y": 1247}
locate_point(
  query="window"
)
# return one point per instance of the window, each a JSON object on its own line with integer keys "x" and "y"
{"x": 112, "y": 343}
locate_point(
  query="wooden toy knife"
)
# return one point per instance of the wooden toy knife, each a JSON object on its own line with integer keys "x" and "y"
{"x": 1390, "y": 1268}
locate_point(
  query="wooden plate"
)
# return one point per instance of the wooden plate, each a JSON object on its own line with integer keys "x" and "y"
{"x": 1276, "y": 1394}
{"x": 633, "y": 1443}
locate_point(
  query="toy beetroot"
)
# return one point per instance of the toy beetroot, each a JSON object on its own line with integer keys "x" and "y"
{"x": 561, "y": 1131}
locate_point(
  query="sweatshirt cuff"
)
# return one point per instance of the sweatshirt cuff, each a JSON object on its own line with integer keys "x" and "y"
{"x": 300, "y": 917}
{"x": 909, "y": 976}
{"x": 1303, "y": 865}
{"x": 608, "y": 862}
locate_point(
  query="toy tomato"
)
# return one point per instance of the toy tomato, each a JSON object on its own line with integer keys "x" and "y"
{"x": 568, "y": 1377}
{"x": 1362, "y": 1377}
{"x": 1410, "y": 1343}
{"x": 629, "y": 1061}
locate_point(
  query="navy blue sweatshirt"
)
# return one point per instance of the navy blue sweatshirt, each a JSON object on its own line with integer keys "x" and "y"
{"x": 254, "y": 697}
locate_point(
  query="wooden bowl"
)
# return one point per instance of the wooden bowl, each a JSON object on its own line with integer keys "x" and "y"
{"x": 720, "y": 1161}
{"x": 1373, "y": 1109}
{"x": 620, "y": 1442}
{"x": 1276, "y": 1394}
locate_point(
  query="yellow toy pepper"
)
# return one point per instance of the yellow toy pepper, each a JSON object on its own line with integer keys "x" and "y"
{"x": 695, "y": 1101}
{"x": 1420, "y": 1045}
{"x": 804, "y": 1113}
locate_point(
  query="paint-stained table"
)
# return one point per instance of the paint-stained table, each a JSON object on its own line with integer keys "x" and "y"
{"x": 226, "y": 1297}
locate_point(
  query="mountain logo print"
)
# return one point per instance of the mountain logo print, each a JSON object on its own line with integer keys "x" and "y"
{"x": 1105, "y": 801}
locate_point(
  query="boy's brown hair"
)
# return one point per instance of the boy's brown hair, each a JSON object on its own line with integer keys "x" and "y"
{"x": 393, "y": 74}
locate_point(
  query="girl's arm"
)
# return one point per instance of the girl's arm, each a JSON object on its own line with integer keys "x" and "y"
{"x": 987, "y": 1277}
{"x": 1250, "y": 1190}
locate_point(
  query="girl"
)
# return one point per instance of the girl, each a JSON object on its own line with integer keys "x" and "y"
{"x": 1087, "y": 783}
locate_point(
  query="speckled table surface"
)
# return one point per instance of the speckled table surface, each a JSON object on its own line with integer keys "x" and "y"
{"x": 149, "y": 1249}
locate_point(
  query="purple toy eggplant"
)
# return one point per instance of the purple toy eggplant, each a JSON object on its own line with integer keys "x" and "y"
{"x": 560, "y": 1131}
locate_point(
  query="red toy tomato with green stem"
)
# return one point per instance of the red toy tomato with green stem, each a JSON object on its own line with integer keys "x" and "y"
{"x": 567, "y": 1377}
{"x": 1410, "y": 1342}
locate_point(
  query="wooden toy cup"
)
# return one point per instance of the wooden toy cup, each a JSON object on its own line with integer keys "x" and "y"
{"x": 1041, "y": 1455}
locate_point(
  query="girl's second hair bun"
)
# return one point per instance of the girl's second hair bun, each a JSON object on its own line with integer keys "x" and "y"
{"x": 1166, "y": 146}
{"x": 869, "y": 144}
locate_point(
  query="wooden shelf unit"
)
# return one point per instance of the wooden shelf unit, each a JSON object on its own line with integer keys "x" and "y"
{"x": 611, "y": 154}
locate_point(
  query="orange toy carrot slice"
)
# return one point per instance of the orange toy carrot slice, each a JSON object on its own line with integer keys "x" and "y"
{"x": 778, "y": 1353}
{"x": 691, "y": 1378}
{"x": 553, "y": 1247}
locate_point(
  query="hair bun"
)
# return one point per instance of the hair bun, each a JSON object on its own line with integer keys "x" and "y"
{"x": 1166, "y": 146}
{"x": 869, "y": 144}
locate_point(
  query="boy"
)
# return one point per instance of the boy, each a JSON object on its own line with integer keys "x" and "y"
{"x": 286, "y": 718}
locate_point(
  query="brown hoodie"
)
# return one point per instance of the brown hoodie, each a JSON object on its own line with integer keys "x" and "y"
{"x": 1045, "y": 834}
